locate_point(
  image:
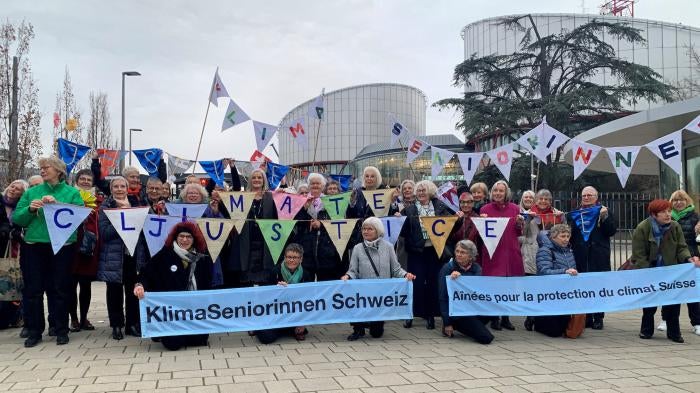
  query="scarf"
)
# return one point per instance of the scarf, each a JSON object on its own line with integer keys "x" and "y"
{"x": 134, "y": 191}
{"x": 678, "y": 215}
{"x": 425, "y": 211}
{"x": 315, "y": 207}
{"x": 289, "y": 277}
{"x": 88, "y": 197}
{"x": 372, "y": 244}
{"x": 546, "y": 217}
{"x": 658, "y": 231}
{"x": 189, "y": 259}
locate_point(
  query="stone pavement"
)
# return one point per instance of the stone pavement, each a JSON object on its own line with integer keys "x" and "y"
{"x": 404, "y": 360}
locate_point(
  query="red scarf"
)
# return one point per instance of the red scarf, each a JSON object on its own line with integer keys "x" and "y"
{"x": 547, "y": 216}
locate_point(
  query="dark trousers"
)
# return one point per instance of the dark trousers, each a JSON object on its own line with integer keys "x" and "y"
{"x": 269, "y": 336}
{"x": 44, "y": 272}
{"x": 174, "y": 343}
{"x": 85, "y": 296}
{"x": 694, "y": 313}
{"x": 118, "y": 292}
{"x": 376, "y": 328}
{"x": 669, "y": 313}
{"x": 598, "y": 316}
{"x": 472, "y": 327}
{"x": 552, "y": 325}
{"x": 426, "y": 267}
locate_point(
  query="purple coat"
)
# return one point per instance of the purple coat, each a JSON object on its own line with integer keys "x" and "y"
{"x": 507, "y": 261}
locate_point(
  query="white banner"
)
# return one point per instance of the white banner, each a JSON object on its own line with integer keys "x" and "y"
{"x": 263, "y": 134}
{"x": 62, "y": 220}
{"x": 542, "y": 140}
{"x": 234, "y": 115}
{"x": 470, "y": 163}
{"x": 416, "y": 147}
{"x": 128, "y": 223}
{"x": 668, "y": 149}
{"x": 298, "y": 133}
{"x": 439, "y": 158}
{"x": 491, "y": 230}
{"x": 398, "y": 130}
{"x": 502, "y": 157}
{"x": 583, "y": 155}
{"x": 694, "y": 125}
{"x": 623, "y": 159}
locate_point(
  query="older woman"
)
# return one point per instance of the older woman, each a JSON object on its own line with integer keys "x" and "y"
{"x": 291, "y": 271}
{"x": 405, "y": 195}
{"x": 332, "y": 187}
{"x": 464, "y": 228}
{"x": 422, "y": 257}
{"x": 528, "y": 239}
{"x": 480, "y": 193}
{"x": 506, "y": 261}
{"x": 10, "y": 240}
{"x": 683, "y": 212}
{"x": 554, "y": 257}
{"x": 42, "y": 270}
{"x": 373, "y": 258}
{"x": 116, "y": 267}
{"x": 371, "y": 180}
{"x": 181, "y": 265}
{"x": 463, "y": 264}
{"x": 659, "y": 241}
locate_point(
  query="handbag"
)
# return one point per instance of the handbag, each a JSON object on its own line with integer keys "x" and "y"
{"x": 11, "y": 282}
{"x": 576, "y": 326}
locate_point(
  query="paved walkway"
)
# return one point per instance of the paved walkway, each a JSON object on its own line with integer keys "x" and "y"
{"x": 415, "y": 360}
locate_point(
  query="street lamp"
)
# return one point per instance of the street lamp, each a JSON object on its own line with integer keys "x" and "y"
{"x": 124, "y": 75}
{"x": 131, "y": 130}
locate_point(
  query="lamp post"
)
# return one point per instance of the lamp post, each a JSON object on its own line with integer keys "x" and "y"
{"x": 131, "y": 130}
{"x": 124, "y": 75}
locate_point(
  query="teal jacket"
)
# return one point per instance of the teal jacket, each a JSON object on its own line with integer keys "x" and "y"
{"x": 36, "y": 231}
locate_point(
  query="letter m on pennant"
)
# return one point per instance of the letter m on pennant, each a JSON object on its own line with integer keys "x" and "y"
{"x": 297, "y": 129}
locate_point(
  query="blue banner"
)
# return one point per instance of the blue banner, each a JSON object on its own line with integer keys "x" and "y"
{"x": 149, "y": 160}
{"x": 273, "y": 306}
{"x": 586, "y": 220}
{"x": 275, "y": 173}
{"x": 215, "y": 170}
{"x": 71, "y": 152}
{"x": 563, "y": 294}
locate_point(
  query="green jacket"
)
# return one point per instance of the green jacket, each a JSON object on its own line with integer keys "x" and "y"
{"x": 34, "y": 222}
{"x": 673, "y": 247}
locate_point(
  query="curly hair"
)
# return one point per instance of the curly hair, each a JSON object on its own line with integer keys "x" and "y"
{"x": 198, "y": 239}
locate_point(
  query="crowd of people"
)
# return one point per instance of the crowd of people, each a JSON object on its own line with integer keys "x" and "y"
{"x": 538, "y": 240}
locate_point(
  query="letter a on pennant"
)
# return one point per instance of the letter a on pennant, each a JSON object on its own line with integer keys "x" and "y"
{"x": 339, "y": 231}
{"x": 491, "y": 230}
{"x": 288, "y": 205}
{"x": 128, "y": 223}
{"x": 275, "y": 233}
{"x": 438, "y": 229}
{"x": 379, "y": 201}
{"x": 62, "y": 220}
{"x": 215, "y": 231}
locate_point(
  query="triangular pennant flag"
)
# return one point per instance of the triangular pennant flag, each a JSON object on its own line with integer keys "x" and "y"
{"x": 149, "y": 159}
{"x": 156, "y": 229}
{"x": 288, "y": 205}
{"x": 668, "y": 149}
{"x": 542, "y": 140}
{"x": 215, "y": 231}
{"x": 234, "y": 116}
{"x": 275, "y": 233}
{"x": 438, "y": 229}
{"x": 502, "y": 157}
{"x": 237, "y": 204}
{"x": 415, "y": 148}
{"x": 470, "y": 164}
{"x": 392, "y": 227}
{"x": 186, "y": 211}
{"x": 275, "y": 173}
{"x": 108, "y": 160}
{"x": 379, "y": 201}
{"x": 623, "y": 159}
{"x": 398, "y": 130}
{"x": 298, "y": 133}
{"x": 316, "y": 109}
{"x": 586, "y": 220}
{"x": 343, "y": 180}
{"x": 447, "y": 193}
{"x": 71, "y": 152}
{"x": 215, "y": 170}
{"x": 490, "y": 229}
{"x": 336, "y": 205}
{"x": 128, "y": 223}
{"x": 340, "y": 232}
{"x": 62, "y": 220}
{"x": 258, "y": 159}
{"x": 439, "y": 158}
{"x": 218, "y": 89}
{"x": 583, "y": 155}
{"x": 263, "y": 134}
{"x": 238, "y": 224}
{"x": 177, "y": 165}
{"x": 694, "y": 125}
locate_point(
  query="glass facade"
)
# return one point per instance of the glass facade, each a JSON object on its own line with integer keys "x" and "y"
{"x": 354, "y": 117}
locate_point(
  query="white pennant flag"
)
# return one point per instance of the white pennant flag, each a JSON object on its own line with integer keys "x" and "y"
{"x": 398, "y": 130}
{"x": 491, "y": 230}
{"x": 470, "y": 163}
{"x": 447, "y": 193}
{"x": 392, "y": 227}
{"x": 439, "y": 158}
{"x": 128, "y": 223}
{"x": 623, "y": 159}
{"x": 694, "y": 125}
{"x": 298, "y": 133}
{"x": 263, "y": 134}
{"x": 502, "y": 157}
{"x": 186, "y": 211}
{"x": 668, "y": 149}
{"x": 215, "y": 231}
{"x": 218, "y": 89}
{"x": 416, "y": 147}
{"x": 316, "y": 109}
{"x": 177, "y": 165}
{"x": 62, "y": 220}
{"x": 582, "y": 155}
{"x": 542, "y": 140}
{"x": 156, "y": 229}
{"x": 234, "y": 116}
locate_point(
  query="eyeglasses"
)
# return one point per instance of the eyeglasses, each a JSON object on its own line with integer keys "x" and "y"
{"x": 465, "y": 202}
{"x": 588, "y": 195}
{"x": 185, "y": 236}
{"x": 293, "y": 257}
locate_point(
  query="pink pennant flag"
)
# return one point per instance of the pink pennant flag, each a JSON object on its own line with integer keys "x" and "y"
{"x": 288, "y": 205}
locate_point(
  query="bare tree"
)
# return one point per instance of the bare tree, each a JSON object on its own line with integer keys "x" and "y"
{"x": 99, "y": 133}
{"x": 67, "y": 109}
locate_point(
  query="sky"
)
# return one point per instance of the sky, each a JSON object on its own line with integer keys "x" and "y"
{"x": 272, "y": 56}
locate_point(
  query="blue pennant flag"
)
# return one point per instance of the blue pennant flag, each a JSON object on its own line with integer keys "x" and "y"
{"x": 585, "y": 220}
{"x": 149, "y": 159}
{"x": 275, "y": 173}
{"x": 71, "y": 152}
{"x": 215, "y": 170}
{"x": 344, "y": 181}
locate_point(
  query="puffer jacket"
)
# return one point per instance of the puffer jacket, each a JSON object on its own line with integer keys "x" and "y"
{"x": 688, "y": 223}
{"x": 553, "y": 258}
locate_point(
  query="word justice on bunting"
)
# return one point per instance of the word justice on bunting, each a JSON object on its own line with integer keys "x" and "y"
{"x": 563, "y": 294}
{"x": 273, "y": 306}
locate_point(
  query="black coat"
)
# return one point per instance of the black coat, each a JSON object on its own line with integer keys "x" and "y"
{"x": 166, "y": 272}
{"x": 276, "y": 276}
{"x": 319, "y": 251}
{"x": 688, "y": 225}
{"x": 593, "y": 255}
{"x": 411, "y": 230}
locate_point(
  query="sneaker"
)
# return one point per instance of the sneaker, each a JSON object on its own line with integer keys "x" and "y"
{"x": 662, "y": 326}
{"x": 696, "y": 329}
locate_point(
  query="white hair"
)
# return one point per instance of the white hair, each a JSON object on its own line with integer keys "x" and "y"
{"x": 429, "y": 186}
{"x": 376, "y": 223}
{"x": 377, "y": 174}
{"x": 316, "y": 176}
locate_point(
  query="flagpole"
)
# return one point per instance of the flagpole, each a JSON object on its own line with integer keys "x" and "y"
{"x": 199, "y": 145}
{"x": 318, "y": 131}
{"x": 409, "y": 165}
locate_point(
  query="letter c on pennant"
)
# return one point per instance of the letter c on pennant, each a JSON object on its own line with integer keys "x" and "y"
{"x": 55, "y": 217}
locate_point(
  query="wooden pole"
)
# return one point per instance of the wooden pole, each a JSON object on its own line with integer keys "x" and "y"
{"x": 199, "y": 145}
